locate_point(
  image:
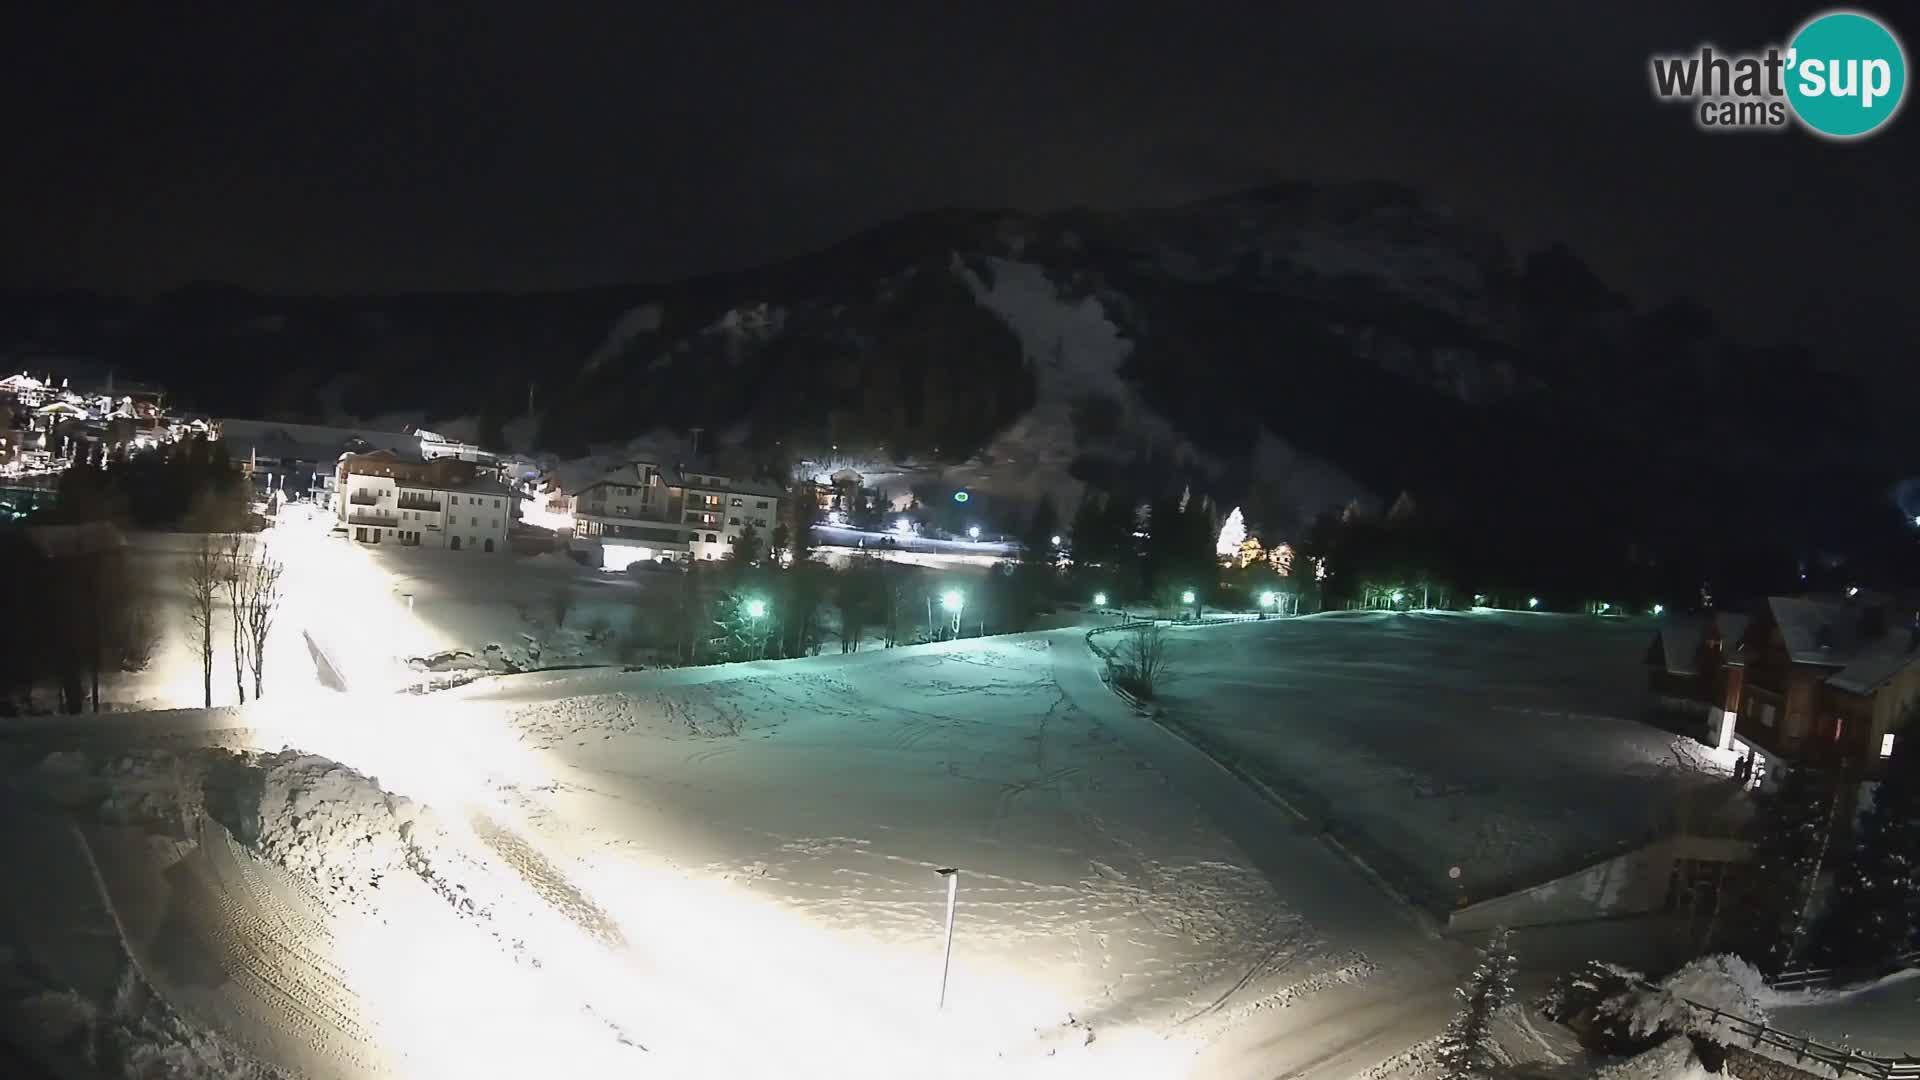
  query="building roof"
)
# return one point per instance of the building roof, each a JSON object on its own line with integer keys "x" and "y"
{"x": 1876, "y": 664}
{"x": 1819, "y": 630}
{"x": 306, "y": 442}
{"x": 1680, "y": 638}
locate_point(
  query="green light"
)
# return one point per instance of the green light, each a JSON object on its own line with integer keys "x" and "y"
{"x": 961, "y": 496}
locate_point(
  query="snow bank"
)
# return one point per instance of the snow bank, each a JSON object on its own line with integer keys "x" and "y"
{"x": 1727, "y": 983}
{"x": 322, "y": 821}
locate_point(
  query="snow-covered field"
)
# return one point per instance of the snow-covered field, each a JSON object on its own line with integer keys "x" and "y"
{"x": 717, "y": 871}
{"x": 365, "y": 615}
{"x": 1506, "y": 744}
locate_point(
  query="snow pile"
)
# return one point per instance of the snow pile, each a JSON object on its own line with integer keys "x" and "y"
{"x": 317, "y": 818}
{"x": 1681, "y": 1001}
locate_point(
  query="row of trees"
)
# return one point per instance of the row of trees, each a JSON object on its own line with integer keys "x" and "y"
{"x": 772, "y": 600}
{"x": 1806, "y": 830}
{"x": 240, "y": 571}
{"x": 76, "y": 612}
{"x": 188, "y": 485}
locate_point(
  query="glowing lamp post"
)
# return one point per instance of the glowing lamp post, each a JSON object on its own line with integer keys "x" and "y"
{"x": 955, "y": 601}
{"x": 757, "y": 610}
{"x": 973, "y": 532}
{"x": 1099, "y": 599}
{"x": 1533, "y": 602}
{"x": 1659, "y": 609}
{"x": 1267, "y": 601}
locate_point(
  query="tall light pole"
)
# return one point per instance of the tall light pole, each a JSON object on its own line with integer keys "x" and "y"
{"x": 955, "y": 601}
{"x": 757, "y": 610}
{"x": 952, "y": 874}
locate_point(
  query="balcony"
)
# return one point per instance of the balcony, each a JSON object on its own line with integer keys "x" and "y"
{"x": 364, "y": 498}
{"x": 373, "y": 517}
{"x": 417, "y": 502}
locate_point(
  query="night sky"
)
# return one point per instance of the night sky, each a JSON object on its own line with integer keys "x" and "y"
{"x": 415, "y": 146}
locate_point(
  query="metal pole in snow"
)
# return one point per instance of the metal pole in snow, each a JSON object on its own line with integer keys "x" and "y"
{"x": 952, "y": 874}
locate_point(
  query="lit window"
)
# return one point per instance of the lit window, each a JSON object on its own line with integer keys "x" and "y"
{"x": 1886, "y": 745}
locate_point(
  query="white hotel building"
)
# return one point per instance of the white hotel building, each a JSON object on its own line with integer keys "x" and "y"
{"x": 384, "y": 497}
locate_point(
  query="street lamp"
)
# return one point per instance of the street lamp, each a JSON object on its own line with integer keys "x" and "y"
{"x": 1267, "y": 600}
{"x": 973, "y": 532}
{"x": 1533, "y": 602}
{"x": 1099, "y": 599}
{"x": 757, "y": 610}
{"x": 954, "y": 600}
{"x": 1056, "y": 536}
{"x": 1187, "y": 597}
{"x": 1659, "y": 609}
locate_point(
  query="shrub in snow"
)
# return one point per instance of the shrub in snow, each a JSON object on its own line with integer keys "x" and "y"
{"x": 1140, "y": 664}
{"x": 1468, "y": 1047}
{"x": 1682, "y": 1002}
{"x": 1578, "y": 999}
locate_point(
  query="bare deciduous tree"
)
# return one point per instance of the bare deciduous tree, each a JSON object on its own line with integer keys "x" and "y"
{"x": 1140, "y": 664}
{"x": 259, "y": 601}
{"x": 233, "y": 560}
{"x": 203, "y": 587}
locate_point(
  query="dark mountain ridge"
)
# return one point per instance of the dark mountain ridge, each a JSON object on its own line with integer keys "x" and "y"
{"x": 1396, "y": 346}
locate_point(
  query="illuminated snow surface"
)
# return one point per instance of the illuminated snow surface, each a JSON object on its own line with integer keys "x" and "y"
{"x": 730, "y": 871}
{"x": 712, "y": 872}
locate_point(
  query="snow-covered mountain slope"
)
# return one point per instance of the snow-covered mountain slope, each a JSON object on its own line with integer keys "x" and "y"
{"x": 1355, "y": 337}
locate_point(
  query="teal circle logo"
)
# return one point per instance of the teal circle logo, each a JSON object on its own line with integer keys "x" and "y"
{"x": 1846, "y": 74}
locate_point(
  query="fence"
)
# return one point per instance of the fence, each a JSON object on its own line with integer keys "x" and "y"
{"x": 1795, "y": 978}
{"x": 1806, "y": 1050}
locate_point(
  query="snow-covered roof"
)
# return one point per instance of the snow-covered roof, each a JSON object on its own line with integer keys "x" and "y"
{"x": 1681, "y": 638}
{"x": 1877, "y": 663}
{"x": 1818, "y": 631}
{"x": 1680, "y": 643}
